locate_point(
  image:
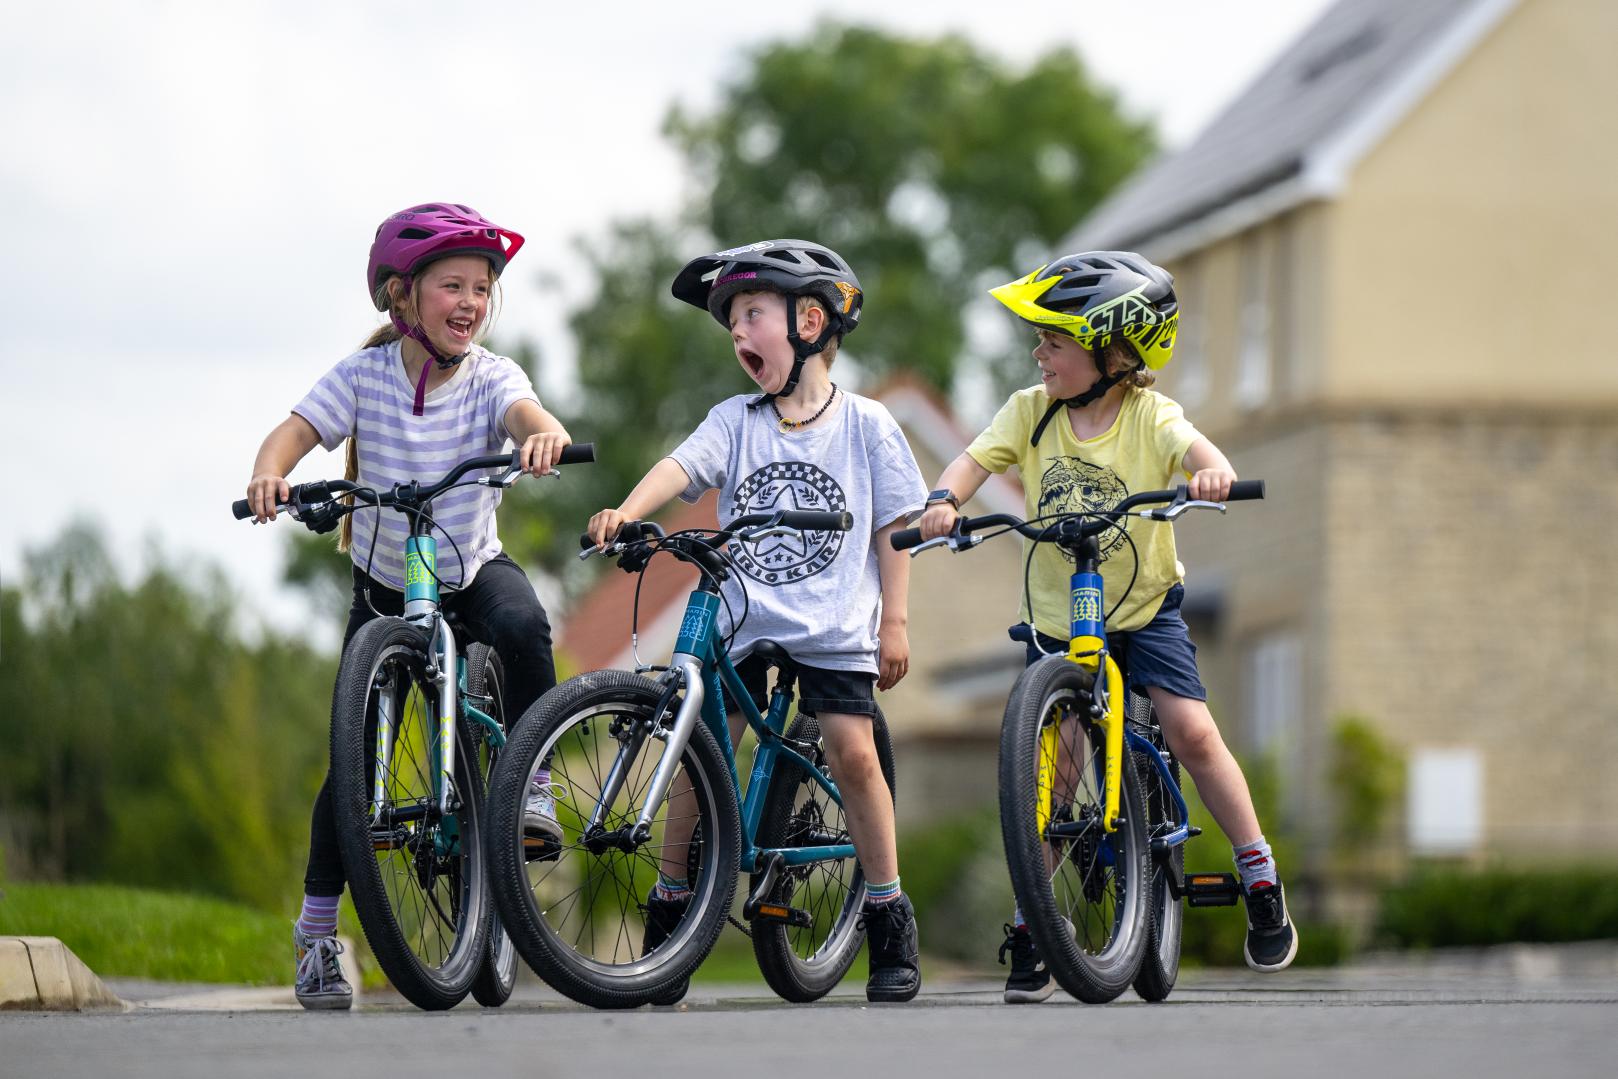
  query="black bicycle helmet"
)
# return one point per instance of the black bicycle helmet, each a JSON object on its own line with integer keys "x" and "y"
{"x": 791, "y": 267}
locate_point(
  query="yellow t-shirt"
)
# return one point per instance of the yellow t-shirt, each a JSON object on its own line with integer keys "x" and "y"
{"x": 1142, "y": 451}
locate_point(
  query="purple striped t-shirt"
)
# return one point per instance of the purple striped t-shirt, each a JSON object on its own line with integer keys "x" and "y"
{"x": 369, "y": 396}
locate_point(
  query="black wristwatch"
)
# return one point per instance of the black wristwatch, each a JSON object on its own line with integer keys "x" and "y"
{"x": 943, "y": 494}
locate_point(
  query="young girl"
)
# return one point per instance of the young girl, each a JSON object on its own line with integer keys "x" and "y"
{"x": 1087, "y": 435}
{"x": 419, "y": 397}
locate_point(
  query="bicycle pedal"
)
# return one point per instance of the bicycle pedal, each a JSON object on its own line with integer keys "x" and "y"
{"x": 389, "y": 839}
{"x": 1211, "y": 890}
{"x": 537, "y": 850}
{"x": 775, "y": 912}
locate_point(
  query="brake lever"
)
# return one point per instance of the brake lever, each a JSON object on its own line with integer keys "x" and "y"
{"x": 1179, "y": 509}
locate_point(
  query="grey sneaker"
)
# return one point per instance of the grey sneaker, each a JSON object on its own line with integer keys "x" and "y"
{"x": 1272, "y": 943}
{"x": 319, "y": 983}
{"x": 541, "y": 831}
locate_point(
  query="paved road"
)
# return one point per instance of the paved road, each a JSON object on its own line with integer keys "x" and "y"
{"x": 1511, "y": 1019}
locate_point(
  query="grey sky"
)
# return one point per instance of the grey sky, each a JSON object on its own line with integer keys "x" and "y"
{"x": 192, "y": 188}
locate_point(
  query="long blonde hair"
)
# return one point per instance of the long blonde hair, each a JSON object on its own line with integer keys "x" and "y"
{"x": 402, "y": 307}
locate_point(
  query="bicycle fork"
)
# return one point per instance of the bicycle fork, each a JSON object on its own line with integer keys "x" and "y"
{"x": 689, "y": 670}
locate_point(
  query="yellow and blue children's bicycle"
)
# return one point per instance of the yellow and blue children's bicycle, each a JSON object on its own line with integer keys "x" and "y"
{"x": 643, "y": 768}
{"x": 1091, "y": 812}
{"x": 416, "y": 725}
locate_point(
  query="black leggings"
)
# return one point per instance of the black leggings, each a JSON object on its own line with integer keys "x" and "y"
{"x": 498, "y": 607}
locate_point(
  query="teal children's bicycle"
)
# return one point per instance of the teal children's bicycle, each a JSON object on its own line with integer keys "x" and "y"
{"x": 645, "y": 778}
{"x": 1091, "y": 812}
{"x": 416, "y": 726}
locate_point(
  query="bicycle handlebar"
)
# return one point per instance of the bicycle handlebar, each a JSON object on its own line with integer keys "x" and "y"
{"x": 1240, "y": 491}
{"x": 317, "y": 491}
{"x": 797, "y": 520}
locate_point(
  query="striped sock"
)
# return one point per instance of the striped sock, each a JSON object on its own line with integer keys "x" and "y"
{"x": 877, "y": 895}
{"x": 540, "y": 779}
{"x": 672, "y": 888}
{"x": 1017, "y": 920}
{"x": 319, "y": 916}
{"x": 1256, "y": 865}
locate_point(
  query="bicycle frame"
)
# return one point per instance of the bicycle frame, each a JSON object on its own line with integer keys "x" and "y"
{"x": 1088, "y": 648}
{"x": 706, "y": 670}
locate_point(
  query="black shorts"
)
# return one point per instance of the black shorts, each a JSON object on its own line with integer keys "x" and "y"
{"x": 819, "y": 690}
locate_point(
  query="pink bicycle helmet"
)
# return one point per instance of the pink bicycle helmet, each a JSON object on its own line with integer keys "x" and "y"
{"x": 410, "y": 239}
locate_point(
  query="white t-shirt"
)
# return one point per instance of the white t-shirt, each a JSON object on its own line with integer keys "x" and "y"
{"x": 817, "y": 594}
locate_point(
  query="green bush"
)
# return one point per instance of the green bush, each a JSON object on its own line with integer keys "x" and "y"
{"x": 1451, "y": 907}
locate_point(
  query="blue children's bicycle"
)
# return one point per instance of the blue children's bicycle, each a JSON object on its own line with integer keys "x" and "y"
{"x": 416, "y": 726}
{"x": 642, "y": 765}
{"x": 1094, "y": 836}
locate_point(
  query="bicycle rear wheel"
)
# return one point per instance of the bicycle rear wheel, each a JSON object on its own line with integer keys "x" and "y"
{"x": 486, "y": 684}
{"x": 1165, "y": 913}
{"x": 1083, "y": 893}
{"x": 804, "y": 962}
{"x": 415, "y": 868}
{"x": 579, "y": 918}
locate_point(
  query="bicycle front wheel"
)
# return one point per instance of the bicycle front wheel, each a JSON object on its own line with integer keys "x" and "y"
{"x": 1081, "y": 888}
{"x": 580, "y": 915}
{"x": 804, "y": 962}
{"x": 413, "y": 857}
{"x": 486, "y": 689}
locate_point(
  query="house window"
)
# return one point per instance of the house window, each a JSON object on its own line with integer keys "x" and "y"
{"x": 1275, "y": 693}
{"x": 1253, "y": 331}
{"x": 1191, "y": 345}
{"x": 1445, "y": 810}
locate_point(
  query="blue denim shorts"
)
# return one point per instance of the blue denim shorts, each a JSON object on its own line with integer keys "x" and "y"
{"x": 1160, "y": 653}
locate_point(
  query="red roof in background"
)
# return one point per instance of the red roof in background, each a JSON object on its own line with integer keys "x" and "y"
{"x": 598, "y": 626}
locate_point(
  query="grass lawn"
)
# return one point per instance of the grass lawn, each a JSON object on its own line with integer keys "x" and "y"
{"x": 133, "y": 933}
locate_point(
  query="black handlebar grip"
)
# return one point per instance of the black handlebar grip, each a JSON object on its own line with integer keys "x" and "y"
{"x": 580, "y": 453}
{"x": 905, "y": 538}
{"x": 1243, "y": 490}
{"x": 585, "y": 542}
{"x": 241, "y": 509}
{"x": 818, "y": 520}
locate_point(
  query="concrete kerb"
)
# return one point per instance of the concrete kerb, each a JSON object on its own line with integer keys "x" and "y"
{"x": 43, "y": 974}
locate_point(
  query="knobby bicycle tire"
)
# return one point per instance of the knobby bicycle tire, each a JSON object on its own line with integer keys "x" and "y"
{"x": 1099, "y": 957}
{"x": 1165, "y": 921}
{"x": 417, "y": 877}
{"x": 805, "y": 963}
{"x": 579, "y": 919}
{"x": 485, "y": 677}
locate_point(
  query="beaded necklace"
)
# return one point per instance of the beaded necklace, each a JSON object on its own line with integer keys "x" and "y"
{"x": 793, "y": 425}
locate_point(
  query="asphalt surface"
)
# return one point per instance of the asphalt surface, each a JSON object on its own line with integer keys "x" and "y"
{"x": 1510, "y": 1012}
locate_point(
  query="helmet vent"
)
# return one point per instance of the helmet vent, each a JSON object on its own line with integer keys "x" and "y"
{"x": 1087, "y": 281}
{"x": 823, "y": 259}
{"x": 783, "y": 256}
{"x": 414, "y": 234}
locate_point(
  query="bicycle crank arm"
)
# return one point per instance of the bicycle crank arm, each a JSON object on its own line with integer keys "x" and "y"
{"x": 684, "y": 723}
{"x": 768, "y": 875}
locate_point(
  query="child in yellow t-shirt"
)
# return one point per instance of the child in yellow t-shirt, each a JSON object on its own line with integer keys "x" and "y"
{"x": 1105, "y": 320}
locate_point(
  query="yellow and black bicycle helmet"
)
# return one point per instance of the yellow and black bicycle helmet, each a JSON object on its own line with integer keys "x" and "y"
{"x": 1096, "y": 297}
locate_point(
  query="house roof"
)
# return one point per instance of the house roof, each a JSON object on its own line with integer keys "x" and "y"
{"x": 1298, "y": 129}
{"x": 596, "y": 632}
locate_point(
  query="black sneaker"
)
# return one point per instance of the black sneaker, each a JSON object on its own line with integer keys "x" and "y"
{"x": 1029, "y": 981}
{"x": 1272, "y": 943}
{"x": 895, "y": 955}
{"x": 662, "y": 916}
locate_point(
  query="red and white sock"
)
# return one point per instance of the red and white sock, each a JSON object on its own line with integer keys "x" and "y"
{"x": 1256, "y": 865}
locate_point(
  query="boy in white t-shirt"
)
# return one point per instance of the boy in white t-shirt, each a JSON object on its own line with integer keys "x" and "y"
{"x": 836, "y": 601}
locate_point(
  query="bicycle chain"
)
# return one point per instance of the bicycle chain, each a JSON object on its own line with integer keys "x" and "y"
{"x": 746, "y": 932}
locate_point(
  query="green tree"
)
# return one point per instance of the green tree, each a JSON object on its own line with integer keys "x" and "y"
{"x": 935, "y": 168}
{"x": 147, "y": 742}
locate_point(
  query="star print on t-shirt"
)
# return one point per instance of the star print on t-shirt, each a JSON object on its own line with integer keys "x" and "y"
{"x": 788, "y": 485}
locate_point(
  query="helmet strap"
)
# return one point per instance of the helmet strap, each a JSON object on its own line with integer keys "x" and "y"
{"x": 801, "y": 351}
{"x": 418, "y": 335}
{"x": 1089, "y": 396}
